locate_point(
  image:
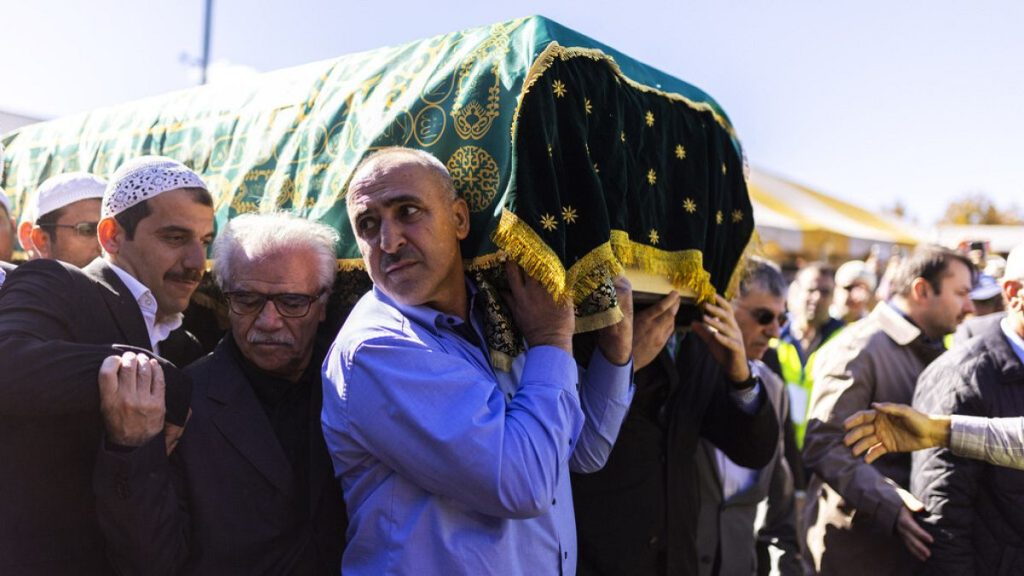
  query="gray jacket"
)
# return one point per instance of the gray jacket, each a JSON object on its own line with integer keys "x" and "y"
{"x": 852, "y": 506}
{"x": 725, "y": 529}
{"x": 975, "y": 509}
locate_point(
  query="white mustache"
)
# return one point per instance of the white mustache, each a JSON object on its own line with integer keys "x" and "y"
{"x": 270, "y": 339}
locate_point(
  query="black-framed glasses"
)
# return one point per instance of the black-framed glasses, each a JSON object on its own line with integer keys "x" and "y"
{"x": 86, "y": 229}
{"x": 288, "y": 305}
{"x": 764, "y": 316}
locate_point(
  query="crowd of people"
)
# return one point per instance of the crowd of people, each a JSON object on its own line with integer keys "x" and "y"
{"x": 769, "y": 436}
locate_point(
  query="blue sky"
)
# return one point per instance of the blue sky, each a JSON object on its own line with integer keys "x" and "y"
{"x": 920, "y": 101}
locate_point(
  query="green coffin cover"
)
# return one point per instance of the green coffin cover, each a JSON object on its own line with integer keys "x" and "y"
{"x": 574, "y": 158}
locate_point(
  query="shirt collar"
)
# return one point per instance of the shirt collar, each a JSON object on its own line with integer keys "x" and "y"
{"x": 427, "y": 316}
{"x": 895, "y": 324}
{"x": 158, "y": 331}
{"x": 1016, "y": 342}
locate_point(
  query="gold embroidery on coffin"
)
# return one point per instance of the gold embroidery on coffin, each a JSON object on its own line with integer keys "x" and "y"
{"x": 476, "y": 176}
{"x": 473, "y": 120}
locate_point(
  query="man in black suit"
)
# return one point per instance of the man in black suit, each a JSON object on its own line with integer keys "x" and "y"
{"x": 57, "y": 325}
{"x": 249, "y": 488}
{"x": 638, "y": 515}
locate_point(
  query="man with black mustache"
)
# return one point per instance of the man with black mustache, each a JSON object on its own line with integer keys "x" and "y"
{"x": 57, "y": 326}
{"x": 253, "y": 456}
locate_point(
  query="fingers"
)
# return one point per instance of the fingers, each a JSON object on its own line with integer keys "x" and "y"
{"x": 875, "y": 452}
{"x": 159, "y": 386}
{"x": 859, "y": 418}
{"x": 917, "y": 539}
{"x": 108, "y": 376}
{"x": 893, "y": 409}
{"x": 127, "y": 375}
{"x": 866, "y": 445}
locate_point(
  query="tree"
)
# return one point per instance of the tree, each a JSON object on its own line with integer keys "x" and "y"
{"x": 977, "y": 208}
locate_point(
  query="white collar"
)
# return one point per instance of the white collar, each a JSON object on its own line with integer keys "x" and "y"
{"x": 158, "y": 331}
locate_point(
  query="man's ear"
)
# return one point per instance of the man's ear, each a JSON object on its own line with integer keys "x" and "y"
{"x": 111, "y": 235}
{"x": 460, "y": 215}
{"x": 920, "y": 289}
{"x": 40, "y": 240}
{"x": 1012, "y": 294}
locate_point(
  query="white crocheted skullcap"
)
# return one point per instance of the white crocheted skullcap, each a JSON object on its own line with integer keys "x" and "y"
{"x": 1015, "y": 264}
{"x": 58, "y": 191}
{"x": 5, "y": 202}
{"x": 143, "y": 178}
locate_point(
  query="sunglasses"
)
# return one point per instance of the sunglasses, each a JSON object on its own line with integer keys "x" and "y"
{"x": 85, "y": 229}
{"x": 764, "y": 317}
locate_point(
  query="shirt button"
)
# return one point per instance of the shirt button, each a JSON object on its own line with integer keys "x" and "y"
{"x": 565, "y": 556}
{"x": 554, "y": 501}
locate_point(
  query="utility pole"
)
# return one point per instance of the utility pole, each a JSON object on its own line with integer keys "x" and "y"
{"x": 206, "y": 41}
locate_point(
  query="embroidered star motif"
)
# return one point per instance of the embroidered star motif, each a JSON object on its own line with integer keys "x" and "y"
{"x": 718, "y": 217}
{"x": 723, "y": 169}
{"x": 689, "y": 205}
{"x": 559, "y": 88}
{"x": 569, "y": 214}
{"x": 653, "y": 236}
{"x": 680, "y": 151}
{"x": 649, "y": 119}
{"x": 652, "y": 177}
{"x": 548, "y": 222}
{"x": 737, "y": 216}
{"x": 586, "y": 106}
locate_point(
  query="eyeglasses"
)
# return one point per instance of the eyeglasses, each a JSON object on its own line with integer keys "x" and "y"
{"x": 288, "y": 305}
{"x": 764, "y": 316}
{"x": 86, "y": 229}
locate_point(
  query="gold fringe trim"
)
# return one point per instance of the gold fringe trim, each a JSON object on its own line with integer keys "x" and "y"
{"x": 600, "y": 320}
{"x": 526, "y": 248}
{"x": 350, "y": 264}
{"x": 684, "y": 268}
{"x": 753, "y": 248}
{"x": 555, "y": 50}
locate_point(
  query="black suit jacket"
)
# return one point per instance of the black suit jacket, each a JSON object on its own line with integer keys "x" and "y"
{"x": 638, "y": 515}
{"x": 57, "y": 324}
{"x": 226, "y": 502}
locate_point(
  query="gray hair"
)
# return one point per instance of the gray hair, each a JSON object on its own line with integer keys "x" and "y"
{"x": 257, "y": 236}
{"x": 764, "y": 275}
{"x": 414, "y": 156}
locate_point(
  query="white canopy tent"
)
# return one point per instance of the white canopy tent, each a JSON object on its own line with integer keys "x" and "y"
{"x": 795, "y": 220}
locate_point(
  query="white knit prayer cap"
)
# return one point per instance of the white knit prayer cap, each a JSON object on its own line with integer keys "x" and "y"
{"x": 143, "y": 178}
{"x": 58, "y": 191}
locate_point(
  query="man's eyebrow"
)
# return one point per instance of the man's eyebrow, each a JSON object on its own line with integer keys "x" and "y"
{"x": 403, "y": 199}
{"x": 174, "y": 230}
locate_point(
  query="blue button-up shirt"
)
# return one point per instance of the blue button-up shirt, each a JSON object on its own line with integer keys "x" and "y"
{"x": 448, "y": 466}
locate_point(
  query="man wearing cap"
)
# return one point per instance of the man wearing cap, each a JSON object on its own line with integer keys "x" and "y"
{"x": 254, "y": 455}
{"x": 854, "y": 293}
{"x": 989, "y": 310}
{"x": 68, "y": 213}
{"x": 57, "y": 327}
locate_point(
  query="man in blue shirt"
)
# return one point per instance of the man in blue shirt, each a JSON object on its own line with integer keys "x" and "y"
{"x": 448, "y": 465}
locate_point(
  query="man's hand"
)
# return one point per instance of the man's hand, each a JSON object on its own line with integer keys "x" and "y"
{"x": 652, "y": 328}
{"x": 616, "y": 341}
{"x": 132, "y": 398}
{"x": 542, "y": 321}
{"x": 723, "y": 337}
{"x": 916, "y": 539}
{"x": 894, "y": 428}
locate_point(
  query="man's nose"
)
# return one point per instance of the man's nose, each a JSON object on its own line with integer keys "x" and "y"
{"x": 392, "y": 236}
{"x": 968, "y": 306}
{"x": 195, "y": 257}
{"x": 268, "y": 318}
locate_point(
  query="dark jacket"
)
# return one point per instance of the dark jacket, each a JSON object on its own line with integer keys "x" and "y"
{"x": 57, "y": 323}
{"x": 638, "y": 515}
{"x": 227, "y": 501}
{"x": 975, "y": 509}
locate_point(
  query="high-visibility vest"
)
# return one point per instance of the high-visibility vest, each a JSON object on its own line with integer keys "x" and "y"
{"x": 799, "y": 381}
